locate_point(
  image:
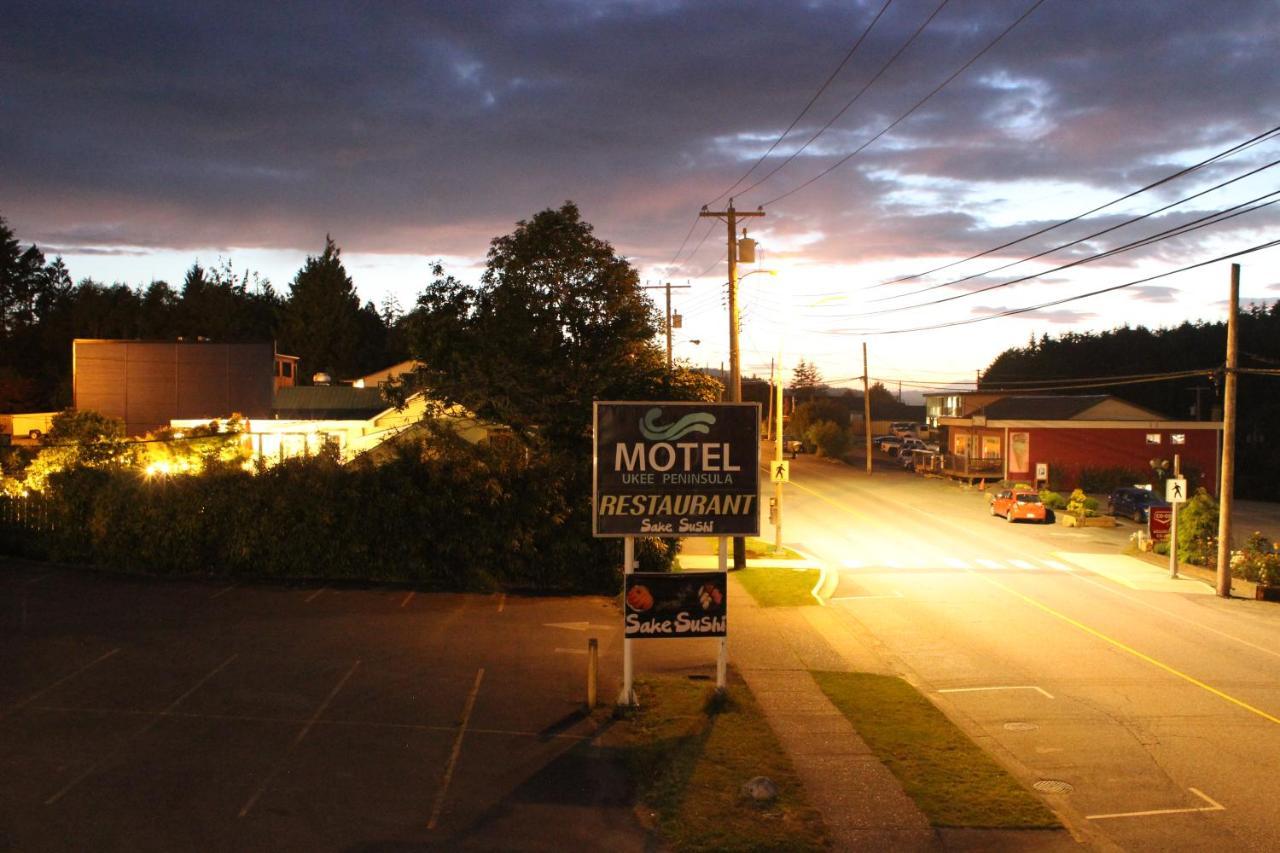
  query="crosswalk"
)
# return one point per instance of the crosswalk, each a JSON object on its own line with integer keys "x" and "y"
{"x": 969, "y": 564}
{"x": 1120, "y": 569}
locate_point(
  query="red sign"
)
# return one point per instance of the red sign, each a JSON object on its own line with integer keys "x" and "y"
{"x": 1159, "y": 520}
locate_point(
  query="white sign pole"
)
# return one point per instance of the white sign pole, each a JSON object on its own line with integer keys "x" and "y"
{"x": 722, "y": 658}
{"x": 628, "y": 696}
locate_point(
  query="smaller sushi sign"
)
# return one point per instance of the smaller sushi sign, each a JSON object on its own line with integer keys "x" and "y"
{"x": 685, "y": 604}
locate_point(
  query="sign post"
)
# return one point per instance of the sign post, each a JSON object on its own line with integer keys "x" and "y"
{"x": 1175, "y": 492}
{"x": 675, "y": 469}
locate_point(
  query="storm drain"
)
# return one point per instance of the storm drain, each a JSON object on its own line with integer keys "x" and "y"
{"x": 1053, "y": 786}
{"x": 1020, "y": 727}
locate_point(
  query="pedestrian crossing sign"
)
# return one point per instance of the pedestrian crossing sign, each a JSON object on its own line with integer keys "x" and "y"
{"x": 1175, "y": 490}
{"x": 780, "y": 471}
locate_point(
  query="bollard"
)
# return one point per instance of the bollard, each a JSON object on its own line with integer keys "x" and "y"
{"x": 593, "y": 662}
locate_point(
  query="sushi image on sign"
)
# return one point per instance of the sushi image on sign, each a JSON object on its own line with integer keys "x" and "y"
{"x": 676, "y": 469}
{"x": 687, "y": 604}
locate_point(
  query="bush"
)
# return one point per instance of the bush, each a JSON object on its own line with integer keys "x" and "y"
{"x": 1052, "y": 500}
{"x": 1107, "y": 480}
{"x": 448, "y": 515}
{"x": 1198, "y": 529}
{"x": 829, "y": 438}
{"x": 1081, "y": 505}
{"x": 1259, "y": 561}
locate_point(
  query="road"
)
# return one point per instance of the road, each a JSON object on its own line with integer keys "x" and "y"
{"x": 1147, "y": 709}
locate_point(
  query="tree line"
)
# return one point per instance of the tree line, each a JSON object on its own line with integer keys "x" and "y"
{"x": 320, "y": 318}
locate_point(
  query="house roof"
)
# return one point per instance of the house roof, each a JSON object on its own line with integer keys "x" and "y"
{"x": 1066, "y": 407}
{"x": 328, "y": 402}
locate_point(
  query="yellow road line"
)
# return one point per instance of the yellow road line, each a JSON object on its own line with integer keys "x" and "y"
{"x": 1130, "y": 649}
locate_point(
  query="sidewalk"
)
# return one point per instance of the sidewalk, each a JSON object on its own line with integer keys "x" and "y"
{"x": 861, "y": 802}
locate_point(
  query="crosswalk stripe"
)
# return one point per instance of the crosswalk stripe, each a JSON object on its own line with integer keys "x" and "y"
{"x": 1054, "y": 564}
{"x": 956, "y": 563}
{"x": 988, "y": 564}
{"x": 852, "y": 564}
{"x": 1021, "y": 564}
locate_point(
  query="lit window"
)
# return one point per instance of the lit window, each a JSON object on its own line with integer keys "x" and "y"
{"x": 1178, "y": 438}
{"x": 1153, "y": 438}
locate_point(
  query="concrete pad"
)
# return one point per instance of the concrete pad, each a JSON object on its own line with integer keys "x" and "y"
{"x": 1135, "y": 574}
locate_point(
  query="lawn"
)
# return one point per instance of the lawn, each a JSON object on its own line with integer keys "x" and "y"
{"x": 953, "y": 781}
{"x": 690, "y": 751}
{"x": 772, "y": 587}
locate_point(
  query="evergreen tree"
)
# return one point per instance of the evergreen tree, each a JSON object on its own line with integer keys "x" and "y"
{"x": 322, "y": 317}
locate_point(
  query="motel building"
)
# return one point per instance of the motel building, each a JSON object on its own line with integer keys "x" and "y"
{"x": 1002, "y": 437}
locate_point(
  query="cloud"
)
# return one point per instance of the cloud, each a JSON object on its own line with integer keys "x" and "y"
{"x": 1153, "y": 293}
{"x": 1059, "y": 316}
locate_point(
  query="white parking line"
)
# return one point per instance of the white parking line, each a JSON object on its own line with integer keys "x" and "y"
{"x": 572, "y": 651}
{"x": 407, "y": 598}
{"x": 61, "y": 681}
{"x": 275, "y": 771}
{"x": 1039, "y": 690}
{"x": 313, "y": 596}
{"x": 1214, "y": 806}
{"x": 223, "y": 592}
{"x": 457, "y": 750}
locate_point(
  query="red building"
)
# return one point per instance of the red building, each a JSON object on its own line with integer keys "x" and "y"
{"x": 1017, "y": 438}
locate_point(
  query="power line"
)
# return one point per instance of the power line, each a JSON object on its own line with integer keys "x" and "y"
{"x": 918, "y": 105}
{"x": 807, "y": 106}
{"x": 852, "y": 101}
{"x": 1087, "y": 237}
{"x": 1054, "y": 303}
{"x": 1205, "y": 221}
{"x": 1234, "y": 149}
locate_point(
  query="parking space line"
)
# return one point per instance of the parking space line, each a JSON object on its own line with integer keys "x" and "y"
{"x": 572, "y": 651}
{"x": 36, "y": 579}
{"x": 297, "y": 721}
{"x": 223, "y": 592}
{"x": 1214, "y": 806}
{"x": 142, "y": 731}
{"x": 313, "y": 596}
{"x": 61, "y": 681}
{"x": 502, "y": 602}
{"x": 275, "y": 771}
{"x": 1039, "y": 690}
{"x": 457, "y": 750}
{"x": 408, "y": 597}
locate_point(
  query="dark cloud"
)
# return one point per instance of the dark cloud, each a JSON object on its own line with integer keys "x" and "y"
{"x": 1154, "y": 293}
{"x": 431, "y": 127}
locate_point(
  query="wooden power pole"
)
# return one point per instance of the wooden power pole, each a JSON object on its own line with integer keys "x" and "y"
{"x": 731, "y": 216}
{"x": 1228, "y": 479}
{"x": 866, "y": 403}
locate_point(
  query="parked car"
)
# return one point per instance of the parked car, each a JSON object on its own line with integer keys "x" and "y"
{"x": 909, "y": 444}
{"x": 1133, "y": 502}
{"x": 889, "y": 443}
{"x": 794, "y": 446}
{"x": 1019, "y": 505}
{"x": 902, "y": 429}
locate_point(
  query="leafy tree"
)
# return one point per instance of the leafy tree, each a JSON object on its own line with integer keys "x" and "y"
{"x": 322, "y": 318}
{"x": 880, "y": 395}
{"x": 815, "y": 411}
{"x": 557, "y": 321}
{"x": 829, "y": 438}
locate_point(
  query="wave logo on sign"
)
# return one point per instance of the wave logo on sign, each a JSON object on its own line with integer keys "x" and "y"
{"x": 695, "y": 422}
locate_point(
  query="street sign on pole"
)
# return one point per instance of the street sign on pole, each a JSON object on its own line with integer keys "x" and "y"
{"x": 780, "y": 471}
{"x": 1175, "y": 490}
{"x": 1159, "y": 523}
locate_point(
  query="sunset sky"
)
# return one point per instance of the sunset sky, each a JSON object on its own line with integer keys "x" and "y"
{"x": 140, "y": 137}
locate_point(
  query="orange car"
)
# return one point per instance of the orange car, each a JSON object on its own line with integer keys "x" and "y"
{"x": 1019, "y": 505}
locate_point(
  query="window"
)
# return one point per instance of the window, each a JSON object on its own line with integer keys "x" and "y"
{"x": 1178, "y": 438}
{"x": 286, "y": 369}
{"x": 991, "y": 446}
{"x": 1153, "y": 438}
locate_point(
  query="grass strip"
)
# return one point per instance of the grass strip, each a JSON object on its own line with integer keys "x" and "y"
{"x": 760, "y": 549}
{"x": 780, "y": 587}
{"x": 690, "y": 752}
{"x": 950, "y": 778}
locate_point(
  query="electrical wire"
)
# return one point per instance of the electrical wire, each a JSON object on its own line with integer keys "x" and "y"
{"x": 1234, "y": 149}
{"x": 1205, "y": 221}
{"x": 1076, "y": 242}
{"x": 920, "y": 103}
{"x": 807, "y": 106}
{"x": 1056, "y": 302}
{"x": 883, "y": 68}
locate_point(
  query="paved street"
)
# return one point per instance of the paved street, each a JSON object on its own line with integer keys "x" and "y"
{"x": 153, "y": 715}
{"x": 1147, "y": 709}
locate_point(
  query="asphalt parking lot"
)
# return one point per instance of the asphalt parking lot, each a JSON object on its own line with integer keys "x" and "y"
{"x": 141, "y": 714}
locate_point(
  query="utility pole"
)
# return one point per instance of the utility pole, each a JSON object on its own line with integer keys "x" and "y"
{"x": 730, "y": 216}
{"x": 866, "y": 404}
{"x": 1173, "y": 522}
{"x": 769, "y": 420}
{"x": 667, "y": 287}
{"x": 1228, "y": 483}
{"x": 777, "y": 455}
